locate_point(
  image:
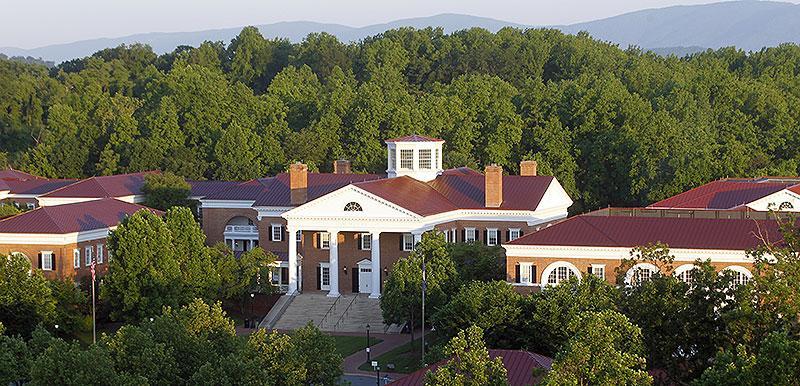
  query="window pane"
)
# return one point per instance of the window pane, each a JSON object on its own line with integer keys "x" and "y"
{"x": 425, "y": 159}
{"x": 407, "y": 159}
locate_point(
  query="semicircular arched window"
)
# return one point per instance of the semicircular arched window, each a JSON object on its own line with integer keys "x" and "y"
{"x": 352, "y": 207}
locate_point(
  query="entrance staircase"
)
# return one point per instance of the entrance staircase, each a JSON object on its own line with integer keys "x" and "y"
{"x": 346, "y": 313}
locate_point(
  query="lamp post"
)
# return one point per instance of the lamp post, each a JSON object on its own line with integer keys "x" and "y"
{"x": 368, "y": 359}
{"x": 424, "y": 285}
{"x": 252, "y": 314}
{"x": 377, "y": 372}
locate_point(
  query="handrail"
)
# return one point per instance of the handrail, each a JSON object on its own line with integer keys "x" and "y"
{"x": 333, "y": 306}
{"x": 341, "y": 318}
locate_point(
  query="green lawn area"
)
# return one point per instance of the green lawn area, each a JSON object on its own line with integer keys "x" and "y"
{"x": 406, "y": 358}
{"x": 348, "y": 345}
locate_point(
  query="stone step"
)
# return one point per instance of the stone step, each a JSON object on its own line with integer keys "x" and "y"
{"x": 348, "y": 313}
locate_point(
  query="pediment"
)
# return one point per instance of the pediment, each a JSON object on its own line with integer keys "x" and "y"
{"x": 351, "y": 202}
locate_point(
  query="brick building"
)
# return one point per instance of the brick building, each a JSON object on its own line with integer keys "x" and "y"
{"x": 718, "y": 222}
{"x": 63, "y": 240}
{"x": 341, "y": 232}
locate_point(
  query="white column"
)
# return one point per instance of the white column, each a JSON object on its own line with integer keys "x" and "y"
{"x": 375, "y": 256}
{"x": 292, "y": 259}
{"x": 334, "y": 260}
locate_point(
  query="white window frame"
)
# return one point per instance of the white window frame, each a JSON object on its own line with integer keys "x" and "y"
{"x": 407, "y": 164}
{"x": 490, "y": 233}
{"x": 599, "y": 270}
{"x": 684, "y": 273}
{"x": 408, "y": 242}
{"x": 100, "y": 253}
{"x": 276, "y": 237}
{"x": 366, "y": 241}
{"x": 47, "y": 260}
{"x": 453, "y": 235}
{"x": 76, "y": 258}
{"x": 633, "y": 276}
{"x": 87, "y": 255}
{"x": 324, "y": 240}
{"x": 322, "y": 268}
{"x": 514, "y": 233}
{"x": 526, "y": 274}
{"x": 470, "y": 235}
{"x": 425, "y": 159}
{"x": 563, "y": 271}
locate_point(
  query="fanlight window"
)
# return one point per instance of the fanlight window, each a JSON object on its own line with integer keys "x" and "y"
{"x": 352, "y": 207}
{"x": 559, "y": 274}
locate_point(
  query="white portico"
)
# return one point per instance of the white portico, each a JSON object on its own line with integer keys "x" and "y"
{"x": 354, "y": 210}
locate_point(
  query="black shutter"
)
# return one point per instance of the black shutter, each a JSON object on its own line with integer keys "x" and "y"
{"x": 359, "y": 240}
{"x": 40, "y": 260}
{"x": 517, "y": 273}
{"x": 508, "y": 234}
{"x": 319, "y": 278}
{"x": 486, "y": 236}
{"x": 533, "y": 274}
{"x": 520, "y": 233}
{"x": 589, "y": 270}
{"x": 53, "y": 260}
{"x": 402, "y": 236}
{"x": 284, "y": 233}
{"x": 355, "y": 276}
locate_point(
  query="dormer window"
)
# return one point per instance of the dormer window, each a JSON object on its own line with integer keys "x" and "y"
{"x": 353, "y": 207}
{"x": 406, "y": 159}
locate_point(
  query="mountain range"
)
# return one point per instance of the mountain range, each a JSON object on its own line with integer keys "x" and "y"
{"x": 749, "y": 25}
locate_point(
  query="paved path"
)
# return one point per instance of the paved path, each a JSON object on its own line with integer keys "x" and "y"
{"x": 390, "y": 341}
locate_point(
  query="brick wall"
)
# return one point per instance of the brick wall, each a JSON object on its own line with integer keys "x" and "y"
{"x": 63, "y": 267}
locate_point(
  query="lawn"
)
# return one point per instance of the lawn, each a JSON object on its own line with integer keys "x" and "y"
{"x": 347, "y": 345}
{"x": 406, "y": 358}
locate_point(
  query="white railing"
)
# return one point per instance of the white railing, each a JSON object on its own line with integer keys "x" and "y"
{"x": 241, "y": 229}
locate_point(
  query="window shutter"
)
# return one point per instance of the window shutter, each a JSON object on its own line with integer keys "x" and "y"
{"x": 284, "y": 233}
{"x": 486, "y": 236}
{"x": 355, "y": 275}
{"x": 319, "y": 278}
{"x": 533, "y": 274}
{"x": 520, "y": 233}
{"x": 464, "y": 235}
{"x": 589, "y": 270}
{"x": 316, "y": 241}
{"x": 517, "y": 274}
{"x": 402, "y": 237}
{"x": 508, "y": 234}
{"x": 40, "y": 260}
{"x": 53, "y": 260}
{"x": 360, "y": 241}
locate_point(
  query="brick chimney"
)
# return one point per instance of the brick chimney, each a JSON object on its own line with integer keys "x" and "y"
{"x": 527, "y": 168}
{"x": 298, "y": 183}
{"x": 341, "y": 166}
{"x": 493, "y": 185}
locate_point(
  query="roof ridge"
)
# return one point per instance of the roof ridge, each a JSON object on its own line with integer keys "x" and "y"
{"x": 52, "y": 220}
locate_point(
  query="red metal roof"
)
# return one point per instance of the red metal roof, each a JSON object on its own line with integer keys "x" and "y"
{"x": 414, "y": 138}
{"x": 519, "y": 366}
{"x": 724, "y": 194}
{"x": 69, "y": 218}
{"x": 461, "y": 188}
{"x": 629, "y": 232}
{"x": 120, "y": 185}
{"x": 11, "y": 174}
{"x": 204, "y": 188}
{"x": 274, "y": 191}
{"x": 36, "y": 186}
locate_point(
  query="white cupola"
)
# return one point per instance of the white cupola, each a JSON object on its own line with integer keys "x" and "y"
{"x": 415, "y": 156}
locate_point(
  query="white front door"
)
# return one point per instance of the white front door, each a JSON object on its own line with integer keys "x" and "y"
{"x": 365, "y": 277}
{"x": 325, "y": 276}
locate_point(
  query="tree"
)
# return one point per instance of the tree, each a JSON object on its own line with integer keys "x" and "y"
{"x": 8, "y": 210}
{"x": 71, "y": 306}
{"x": 144, "y": 275}
{"x": 15, "y": 360}
{"x": 492, "y": 306}
{"x": 775, "y": 363}
{"x": 547, "y": 315}
{"x": 135, "y": 351}
{"x": 239, "y": 277}
{"x": 25, "y": 296}
{"x": 199, "y": 277}
{"x": 605, "y": 349}
{"x": 65, "y": 363}
{"x": 469, "y": 363}
{"x": 401, "y": 301}
{"x": 476, "y": 261}
{"x": 317, "y": 351}
{"x": 165, "y": 190}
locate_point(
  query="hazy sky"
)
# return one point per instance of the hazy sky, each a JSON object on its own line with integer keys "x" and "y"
{"x": 30, "y": 23}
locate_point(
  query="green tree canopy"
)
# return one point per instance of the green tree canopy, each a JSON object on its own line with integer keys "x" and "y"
{"x": 25, "y": 296}
{"x": 165, "y": 190}
{"x": 469, "y": 363}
